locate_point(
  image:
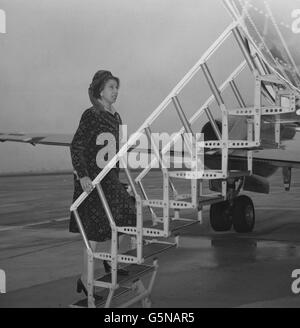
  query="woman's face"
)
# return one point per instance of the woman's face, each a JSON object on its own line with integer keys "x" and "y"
{"x": 110, "y": 92}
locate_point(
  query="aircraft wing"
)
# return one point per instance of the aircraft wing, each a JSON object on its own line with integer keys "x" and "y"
{"x": 38, "y": 138}
{"x": 53, "y": 139}
{"x": 275, "y": 157}
{"x": 288, "y": 155}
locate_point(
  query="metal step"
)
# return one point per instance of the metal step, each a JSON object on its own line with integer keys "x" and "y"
{"x": 134, "y": 270}
{"x": 265, "y": 110}
{"x": 147, "y": 232}
{"x": 207, "y": 174}
{"x": 190, "y": 175}
{"x": 176, "y": 204}
{"x": 99, "y": 303}
{"x": 231, "y": 144}
{"x": 150, "y": 250}
{"x": 177, "y": 224}
{"x": 274, "y": 110}
{"x": 241, "y": 111}
{"x": 203, "y": 200}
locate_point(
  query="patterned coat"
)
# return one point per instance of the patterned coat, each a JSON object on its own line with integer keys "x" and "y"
{"x": 94, "y": 121}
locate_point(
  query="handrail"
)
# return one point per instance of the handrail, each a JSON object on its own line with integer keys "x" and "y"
{"x": 155, "y": 113}
{"x": 206, "y": 56}
{"x": 192, "y": 120}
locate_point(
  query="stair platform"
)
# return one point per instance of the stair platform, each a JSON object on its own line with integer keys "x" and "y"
{"x": 134, "y": 271}
{"x": 177, "y": 224}
{"x": 150, "y": 250}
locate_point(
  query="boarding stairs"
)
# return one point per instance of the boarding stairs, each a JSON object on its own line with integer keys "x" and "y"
{"x": 158, "y": 237}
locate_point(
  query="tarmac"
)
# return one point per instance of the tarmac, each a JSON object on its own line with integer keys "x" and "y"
{"x": 42, "y": 260}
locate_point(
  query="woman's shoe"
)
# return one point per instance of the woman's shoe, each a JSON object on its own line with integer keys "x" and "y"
{"x": 81, "y": 288}
{"x": 121, "y": 272}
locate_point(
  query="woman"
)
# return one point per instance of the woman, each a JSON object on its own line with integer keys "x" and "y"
{"x": 98, "y": 119}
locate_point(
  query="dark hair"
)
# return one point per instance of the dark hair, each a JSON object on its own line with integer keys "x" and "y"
{"x": 99, "y": 80}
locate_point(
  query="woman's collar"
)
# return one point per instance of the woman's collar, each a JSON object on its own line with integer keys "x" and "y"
{"x": 111, "y": 110}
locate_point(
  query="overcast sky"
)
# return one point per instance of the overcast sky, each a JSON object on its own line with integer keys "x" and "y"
{"x": 53, "y": 47}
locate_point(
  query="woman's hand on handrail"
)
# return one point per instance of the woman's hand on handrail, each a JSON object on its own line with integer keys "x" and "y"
{"x": 86, "y": 184}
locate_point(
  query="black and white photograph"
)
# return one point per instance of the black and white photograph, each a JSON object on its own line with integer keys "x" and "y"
{"x": 150, "y": 156}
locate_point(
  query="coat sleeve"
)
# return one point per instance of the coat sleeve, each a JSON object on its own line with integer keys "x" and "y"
{"x": 80, "y": 143}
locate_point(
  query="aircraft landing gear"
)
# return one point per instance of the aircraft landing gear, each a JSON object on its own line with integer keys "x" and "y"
{"x": 243, "y": 214}
{"x": 238, "y": 213}
{"x": 220, "y": 218}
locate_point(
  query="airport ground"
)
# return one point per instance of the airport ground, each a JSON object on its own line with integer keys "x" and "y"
{"x": 42, "y": 260}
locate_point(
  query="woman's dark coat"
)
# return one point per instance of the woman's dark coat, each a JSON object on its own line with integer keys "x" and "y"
{"x": 94, "y": 121}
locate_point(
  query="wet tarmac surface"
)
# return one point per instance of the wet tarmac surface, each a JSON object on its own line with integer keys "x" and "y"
{"x": 43, "y": 261}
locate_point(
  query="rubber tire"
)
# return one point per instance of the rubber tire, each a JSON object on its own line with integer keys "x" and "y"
{"x": 242, "y": 222}
{"x": 220, "y": 218}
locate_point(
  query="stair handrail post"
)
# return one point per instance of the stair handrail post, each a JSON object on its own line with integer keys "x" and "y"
{"x": 114, "y": 235}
